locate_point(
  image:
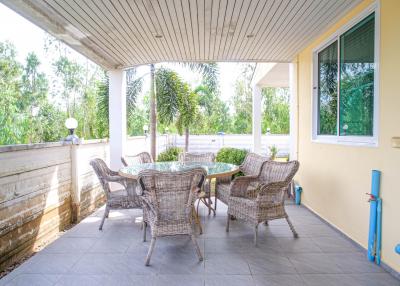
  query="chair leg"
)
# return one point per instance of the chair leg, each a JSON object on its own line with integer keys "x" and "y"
{"x": 152, "y": 244}
{"x": 295, "y": 235}
{"x": 197, "y": 208}
{"x": 255, "y": 234}
{"x": 228, "y": 219}
{"x": 196, "y": 246}
{"x": 106, "y": 212}
{"x": 197, "y": 220}
{"x": 144, "y": 230}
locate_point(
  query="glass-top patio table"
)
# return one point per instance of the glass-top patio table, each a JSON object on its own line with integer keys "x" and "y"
{"x": 213, "y": 169}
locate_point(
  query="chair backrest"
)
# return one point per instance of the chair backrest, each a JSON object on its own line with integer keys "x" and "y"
{"x": 140, "y": 158}
{"x": 102, "y": 171}
{"x": 273, "y": 172}
{"x": 252, "y": 164}
{"x": 172, "y": 193}
{"x": 196, "y": 157}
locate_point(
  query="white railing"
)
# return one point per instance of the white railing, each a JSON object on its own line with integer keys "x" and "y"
{"x": 209, "y": 143}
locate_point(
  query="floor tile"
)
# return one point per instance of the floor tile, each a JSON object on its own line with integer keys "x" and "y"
{"x": 314, "y": 263}
{"x": 226, "y": 264}
{"x": 298, "y": 245}
{"x": 278, "y": 280}
{"x": 269, "y": 264}
{"x": 231, "y": 280}
{"x": 179, "y": 280}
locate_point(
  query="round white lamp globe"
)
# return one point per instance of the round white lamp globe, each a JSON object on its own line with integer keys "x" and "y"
{"x": 71, "y": 123}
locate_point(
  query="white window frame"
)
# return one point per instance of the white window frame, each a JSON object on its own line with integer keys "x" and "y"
{"x": 369, "y": 141}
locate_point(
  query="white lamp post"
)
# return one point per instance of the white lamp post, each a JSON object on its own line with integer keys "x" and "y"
{"x": 146, "y": 129}
{"x": 71, "y": 124}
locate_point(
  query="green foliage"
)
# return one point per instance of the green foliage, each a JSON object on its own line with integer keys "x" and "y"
{"x": 133, "y": 88}
{"x": 171, "y": 154}
{"x": 231, "y": 155}
{"x": 276, "y": 110}
{"x": 209, "y": 72}
{"x": 102, "y": 103}
{"x": 242, "y": 101}
{"x": 168, "y": 91}
{"x": 176, "y": 102}
{"x": 10, "y": 74}
{"x": 28, "y": 114}
{"x": 71, "y": 75}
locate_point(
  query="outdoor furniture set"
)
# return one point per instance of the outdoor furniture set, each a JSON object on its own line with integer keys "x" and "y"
{"x": 167, "y": 191}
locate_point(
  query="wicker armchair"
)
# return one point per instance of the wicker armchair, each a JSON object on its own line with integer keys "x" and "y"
{"x": 168, "y": 199}
{"x": 265, "y": 202}
{"x": 140, "y": 158}
{"x": 251, "y": 168}
{"x": 124, "y": 198}
{"x": 204, "y": 197}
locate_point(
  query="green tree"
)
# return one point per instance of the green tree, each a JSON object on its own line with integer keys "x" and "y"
{"x": 34, "y": 89}
{"x": 71, "y": 75}
{"x": 275, "y": 110}
{"x": 176, "y": 102}
{"x": 10, "y": 81}
{"x": 102, "y": 91}
{"x": 242, "y": 101}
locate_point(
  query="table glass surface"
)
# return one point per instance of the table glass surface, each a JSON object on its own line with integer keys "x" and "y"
{"x": 212, "y": 168}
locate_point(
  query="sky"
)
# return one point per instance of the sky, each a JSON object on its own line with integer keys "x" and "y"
{"x": 29, "y": 38}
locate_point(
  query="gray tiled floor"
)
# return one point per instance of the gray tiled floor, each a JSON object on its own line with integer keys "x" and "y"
{"x": 115, "y": 256}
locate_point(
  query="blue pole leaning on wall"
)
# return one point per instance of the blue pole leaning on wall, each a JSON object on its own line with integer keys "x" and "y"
{"x": 373, "y": 236}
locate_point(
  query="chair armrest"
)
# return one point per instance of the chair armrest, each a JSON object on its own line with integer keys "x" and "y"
{"x": 116, "y": 179}
{"x": 240, "y": 184}
{"x": 272, "y": 192}
{"x": 113, "y": 173}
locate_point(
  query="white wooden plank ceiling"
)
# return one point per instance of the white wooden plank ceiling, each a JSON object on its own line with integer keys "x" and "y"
{"x": 125, "y": 33}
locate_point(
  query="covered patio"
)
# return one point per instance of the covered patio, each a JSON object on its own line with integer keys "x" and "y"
{"x": 52, "y": 184}
{"x": 115, "y": 256}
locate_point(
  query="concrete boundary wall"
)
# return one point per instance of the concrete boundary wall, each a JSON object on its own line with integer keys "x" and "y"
{"x": 43, "y": 188}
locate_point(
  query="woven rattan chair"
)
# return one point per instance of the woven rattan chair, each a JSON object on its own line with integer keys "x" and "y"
{"x": 205, "y": 197}
{"x": 168, "y": 199}
{"x": 140, "y": 158}
{"x": 265, "y": 202}
{"x": 124, "y": 198}
{"x": 251, "y": 168}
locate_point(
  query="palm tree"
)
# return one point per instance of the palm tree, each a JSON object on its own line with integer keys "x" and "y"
{"x": 176, "y": 102}
{"x": 153, "y": 114}
{"x": 209, "y": 72}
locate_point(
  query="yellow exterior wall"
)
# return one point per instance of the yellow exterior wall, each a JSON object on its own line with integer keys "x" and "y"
{"x": 335, "y": 178}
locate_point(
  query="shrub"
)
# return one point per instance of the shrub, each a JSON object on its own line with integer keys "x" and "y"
{"x": 231, "y": 155}
{"x": 273, "y": 151}
{"x": 171, "y": 154}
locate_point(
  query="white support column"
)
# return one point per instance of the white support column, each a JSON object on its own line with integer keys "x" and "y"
{"x": 117, "y": 117}
{"x": 293, "y": 109}
{"x": 256, "y": 119}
